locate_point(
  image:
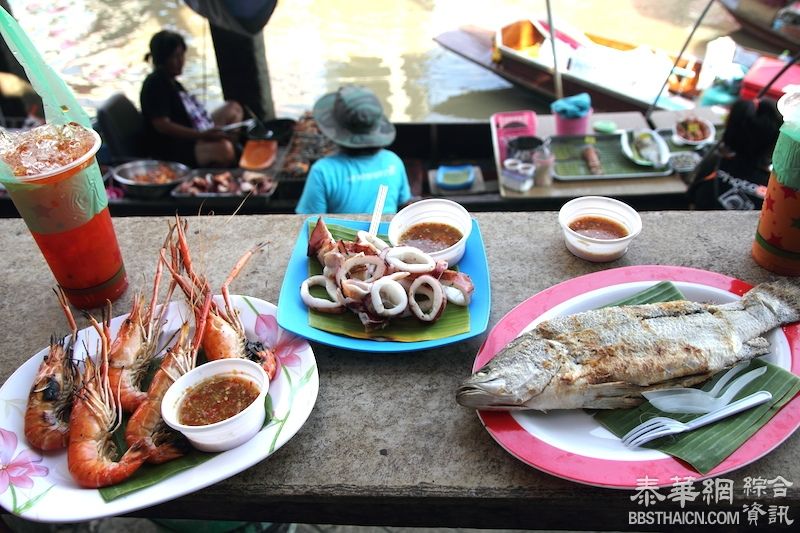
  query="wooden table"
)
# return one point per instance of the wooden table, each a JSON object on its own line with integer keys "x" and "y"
{"x": 386, "y": 443}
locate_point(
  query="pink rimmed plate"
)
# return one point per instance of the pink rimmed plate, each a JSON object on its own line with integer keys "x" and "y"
{"x": 570, "y": 444}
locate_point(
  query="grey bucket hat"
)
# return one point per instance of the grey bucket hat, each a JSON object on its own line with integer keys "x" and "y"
{"x": 353, "y": 117}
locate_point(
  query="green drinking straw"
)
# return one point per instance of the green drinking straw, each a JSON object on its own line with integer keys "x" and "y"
{"x": 60, "y": 107}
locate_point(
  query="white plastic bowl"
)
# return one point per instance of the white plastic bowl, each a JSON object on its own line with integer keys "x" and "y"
{"x": 434, "y": 210}
{"x": 228, "y": 433}
{"x": 712, "y": 133}
{"x": 598, "y": 250}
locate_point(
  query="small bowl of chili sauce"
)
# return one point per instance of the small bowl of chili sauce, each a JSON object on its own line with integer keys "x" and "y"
{"x": 597, "y": 228}
{"x": 436, "y": 226}
{"x": 218, "y": 405}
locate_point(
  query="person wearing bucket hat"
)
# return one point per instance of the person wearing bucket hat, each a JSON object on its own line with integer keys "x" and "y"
{"x": 348, "y": 181}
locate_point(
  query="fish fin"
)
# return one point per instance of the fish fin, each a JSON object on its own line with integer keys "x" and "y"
{"x": 753, "y": 348}
{"x": 616, "y": 402}
{"x": 620, "y": 395}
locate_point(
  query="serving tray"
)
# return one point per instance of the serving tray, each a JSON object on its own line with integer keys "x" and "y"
{"x": 223, "y": 200}
{"x": 570, "y": 165}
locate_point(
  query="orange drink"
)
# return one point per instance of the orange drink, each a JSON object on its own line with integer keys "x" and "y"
{"x": 777, "y": 243}
{"x": 53, "y": 179}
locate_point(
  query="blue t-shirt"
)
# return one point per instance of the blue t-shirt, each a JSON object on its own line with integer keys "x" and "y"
{"x": 343, "y": 183}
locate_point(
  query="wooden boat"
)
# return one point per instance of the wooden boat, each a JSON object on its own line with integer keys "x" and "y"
{"x": 768, "y": 21}
{"x": 521, "y": 53}
{"x": 618, "y": 75}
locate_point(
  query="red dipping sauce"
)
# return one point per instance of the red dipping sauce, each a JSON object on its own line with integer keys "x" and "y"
{"x": 598, "y": 227}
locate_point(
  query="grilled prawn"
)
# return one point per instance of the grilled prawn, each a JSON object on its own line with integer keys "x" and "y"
{"x": 91, "y": 453}
{"x": 136, "y": 344}
{"x": 50, "y": 399}
{"x": 224, "y": 335}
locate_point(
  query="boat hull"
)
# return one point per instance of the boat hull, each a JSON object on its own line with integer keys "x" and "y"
{"x": 523, "y": 50}
{"x": 756, "y": 18}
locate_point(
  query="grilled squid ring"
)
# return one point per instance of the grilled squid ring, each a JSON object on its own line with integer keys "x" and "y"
{"x": 433, "y": 291}
{"x": 410, "y": 259}
{"x": 334, "y": 305}
{"x": 363, "y": 262}
{"x": 365, "y": 237}
{"x": 389, "y": 297}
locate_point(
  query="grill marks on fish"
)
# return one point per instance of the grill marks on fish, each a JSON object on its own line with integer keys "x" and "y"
{"x": 606, "y": 358}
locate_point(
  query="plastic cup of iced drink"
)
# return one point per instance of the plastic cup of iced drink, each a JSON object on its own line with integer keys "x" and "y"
{"x": 54, "y": 181}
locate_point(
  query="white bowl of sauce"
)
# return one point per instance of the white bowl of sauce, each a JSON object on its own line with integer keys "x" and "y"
{"x": 597, "y": 228}
{"x": 218, "y": 405}
{"x": 436, "y": 226}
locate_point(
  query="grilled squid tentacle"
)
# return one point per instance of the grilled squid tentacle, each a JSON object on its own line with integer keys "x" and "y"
{"x": 431, "y": 306}
{"x": 334, "y": 305}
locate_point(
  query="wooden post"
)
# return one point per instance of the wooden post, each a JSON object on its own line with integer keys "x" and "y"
{"x": 243, "y": 72}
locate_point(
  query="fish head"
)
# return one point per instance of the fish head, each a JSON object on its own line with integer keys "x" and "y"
{"x": 514, "y": 377}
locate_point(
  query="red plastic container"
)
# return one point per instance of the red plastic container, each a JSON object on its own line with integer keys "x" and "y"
{"x": 762, "y": 72}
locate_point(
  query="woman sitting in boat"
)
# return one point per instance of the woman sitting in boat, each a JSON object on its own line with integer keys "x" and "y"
{"x": 348, "y": 181}
{"x": 734, "y": 174}
{"x": 177, "y": 126}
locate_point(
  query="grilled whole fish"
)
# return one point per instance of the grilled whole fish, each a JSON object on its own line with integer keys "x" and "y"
{"x": 605, "y": 358}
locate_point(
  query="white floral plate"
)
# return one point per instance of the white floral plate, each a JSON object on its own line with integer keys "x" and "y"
{"x": 38, "y": 486}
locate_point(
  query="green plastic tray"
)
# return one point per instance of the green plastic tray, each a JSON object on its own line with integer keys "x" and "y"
{"x": 570, "y": 166}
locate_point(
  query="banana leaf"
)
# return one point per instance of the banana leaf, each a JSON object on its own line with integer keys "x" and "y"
{"x": 148, "y": 475}
{"x": 706, "y": 447}
{"x": 454, "y": 319}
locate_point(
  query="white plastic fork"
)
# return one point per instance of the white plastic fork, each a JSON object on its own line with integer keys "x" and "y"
{"x": 699, "y": 401}
{"x": 661, "y": 426}
{"x": 712, "y": 393}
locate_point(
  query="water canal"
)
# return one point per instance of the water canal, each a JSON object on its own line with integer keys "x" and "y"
{"x": 315, "y": 45}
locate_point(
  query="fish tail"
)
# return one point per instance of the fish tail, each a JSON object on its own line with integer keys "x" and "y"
{"x": 782, "y": 297}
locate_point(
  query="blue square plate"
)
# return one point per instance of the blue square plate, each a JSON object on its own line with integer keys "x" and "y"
{"x": 293, "y": 313}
